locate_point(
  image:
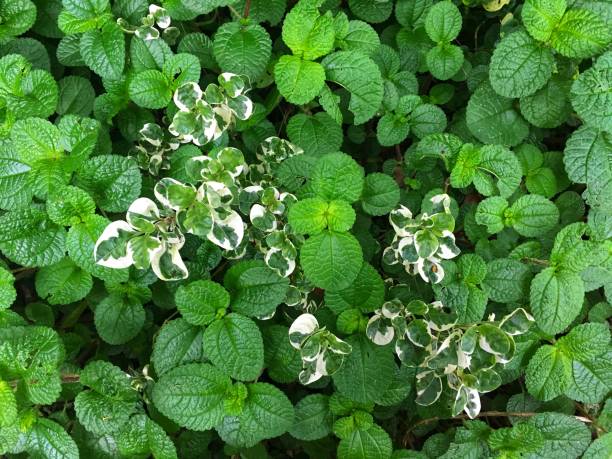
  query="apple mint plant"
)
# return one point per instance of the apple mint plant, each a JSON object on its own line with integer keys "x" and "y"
{"x": 310, "y": 228}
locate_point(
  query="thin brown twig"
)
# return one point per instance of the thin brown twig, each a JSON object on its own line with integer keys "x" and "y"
{"x": 247, "y": 9}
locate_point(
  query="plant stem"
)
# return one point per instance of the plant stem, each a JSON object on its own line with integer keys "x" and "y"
{"x": 247, "y": 9}
{"x": 535, "y": 261}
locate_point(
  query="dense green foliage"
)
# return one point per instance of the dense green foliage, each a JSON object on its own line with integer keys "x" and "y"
{"x": 364, "y": 229}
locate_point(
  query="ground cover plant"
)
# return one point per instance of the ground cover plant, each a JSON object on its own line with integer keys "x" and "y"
{"x": 376, "y": 229}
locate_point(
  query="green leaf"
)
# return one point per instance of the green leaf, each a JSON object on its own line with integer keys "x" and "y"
{"x": 15, "y": 189}
{"x": 360, "y": 37}
{"x": 76, "y": 95}
{"x": 8, "y": 414}
{"x": 151, "y": 89}
{"x": 69, "y": 205}
{"x": 493, "y": 119}
{"x": 113, "y": 181}
{"x": 331, "y": 260}
{"x": 507, "y": 280}
{"x": 556, "y": 299}
{"x": 591, "y": 94}
{"x": 192, "y": 395}
{"x": 380, "y": 194}
{"x": 30, "y": 239}
{"x": 392, "y": 129}
{"x": 177, "y": 343}
{"x": 308, "y": 34}
{"x": 565, "y": 437}
{"x": 366, "y": 292}
{"x": 242, "y": 49}
{"x": 63, "y": 282}
{"x": 580, "y": 34}
{"x": 119, "y": 318}
{"x": 313, "y": 215}
{"x": 540, "y": 17}
{"x": 234, "y": 344}
{"x": 366, "y": 372}
{"x": 256, "y": 290}
{"x": 298, "y": 80}
{"x": 586, "y": 341}
{"x": 8, "y": 294}
{"x": 443, "y": 22}
{"x": 548, "y": 373}
{"x": 520, "y": 65}
{"x": 79, "y": 16}
{"x": 548, "y": 107}
{"x": 141, "y": 436}
{"x": 104, "y": 50}
{"x": 283, "y": 361}
{"x": 360, "y": 76}
{"x": 313, "y": 419}
{"x": 374, "y": 12}
{"x": 106, "y": 407}
{"x": 601, "y": 447}
{"x": 373, "y": 443}
{"x": 533, "y": 215}
{"x": 444, "y": 60}
{"x": 267, "y": 413}
{"x": 47, "y": 439}
{"x": 586, "y": 159}
{"x": 199, "y": 301}
{"x": 317, "y": 134}
{"x": 337, "y": 176}
{"x": 491, "y": 213}
{"x": 591, "y": 380}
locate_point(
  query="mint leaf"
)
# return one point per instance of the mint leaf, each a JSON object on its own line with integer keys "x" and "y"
{"x": 234, "y": 344}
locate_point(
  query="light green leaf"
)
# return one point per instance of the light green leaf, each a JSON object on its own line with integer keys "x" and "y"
{"x": 8, "y": 294}
{"x": 565, "y": 437}
{"x": 63, "y": 282}
{"x": 104, "y": 50}
{"x": 591, "y": 94}
{"x": 317, "y": 134}
{"x": 313, "y": 419}
{"x": 373, "y": 443}
{"x": 520, "y": 65}
{"x": 380, "y": 194}
{"x": 366, "y": 292}
{"x": 556, "y": 299}
{"x": 242, "y": 49}
{"x": 491, "y": 213}
{"x": 199, "y": 301}
{"x": 119, "y": 318}
{"x": 443, "y": 22}
{"x": 581, "y": 34}
{"x": 192, "y": 395}
{"x": 337, "y": 176}
{"x": 591, "y": 380}
{"x": 540, "y": 17}
{"x": 548, "y": 373}
{"x": 177, "y": 343}
{"x": 308, "y": 34}
{"x": 151, "y": 89}
{"x": 298, "y": 80}
{"x": 256, "y": 290}
{"x": 507, "y": 280}
{"x": 331, "y": 260}
{"x": 267, "y": 413}
{"x": 493, "y": 119}
{"x": 360, "y": 76}
{"x": 532, "y": 215}
{"x": 29, "y": 238}
{"x": 366, "y": 372}
{"x": 586, "y": 341}
{"x": 110, "y": 400}
{"x": 444, "y": 60}
{"x": 113, "y": 181}
{"x": 47, "y": 439}
{"x": 234, "y": 345}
